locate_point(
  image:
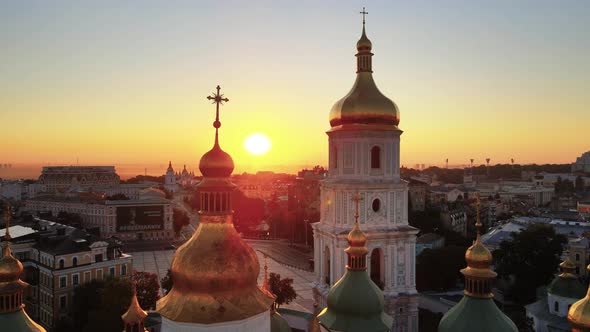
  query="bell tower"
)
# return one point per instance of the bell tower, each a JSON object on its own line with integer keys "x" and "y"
{"x": 364, "y": 158}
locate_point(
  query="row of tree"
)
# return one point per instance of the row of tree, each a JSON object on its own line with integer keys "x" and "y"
{"x": 98, "y": 305}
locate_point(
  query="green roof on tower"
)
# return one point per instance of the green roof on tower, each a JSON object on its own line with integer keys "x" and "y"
{"x": 355, "y": 303}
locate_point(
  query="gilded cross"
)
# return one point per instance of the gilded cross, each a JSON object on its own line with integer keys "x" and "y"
{"x": 478, "y": 222}
{"x": 364, "y": 13}
{"x": 356, "y": 199}
{"x": 217, "y": 99}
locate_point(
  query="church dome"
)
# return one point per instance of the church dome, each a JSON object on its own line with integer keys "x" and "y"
{"x": 579, "y": 313}
{"x": 10, "y": 268}
{"x": 216, "y": 163}
{"x": 364, "y": 104}
{"x": 364, "y": 43}
{"x": 478, "y": 255}
{"x": 566, "y": 284}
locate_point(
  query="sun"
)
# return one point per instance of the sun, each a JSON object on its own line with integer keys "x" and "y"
{"x": 257, "y": 144}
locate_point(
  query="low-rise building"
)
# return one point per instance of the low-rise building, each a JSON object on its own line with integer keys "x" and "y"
{"x": 148, "y": 217}
{"x": 58, "y": 258}
{"x": 549, "y": 314}
{"x": 455, "y": 220}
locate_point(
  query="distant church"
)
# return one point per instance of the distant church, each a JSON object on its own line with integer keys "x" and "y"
{"x": 364, "y": 158}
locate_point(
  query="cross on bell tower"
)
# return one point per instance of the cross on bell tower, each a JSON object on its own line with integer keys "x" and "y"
{"x": 364, "y": 13}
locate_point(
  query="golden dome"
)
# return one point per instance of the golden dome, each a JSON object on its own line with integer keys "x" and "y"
{"x": 10, "y": 267}
{"x": 357, "y": 241}
{"x": 579, "y": 313}
{"x": 478, "y": 255}
{"x": 567, "y": 269}
{"x": 215, "y": 277}
{"x": 364, "y": 44}
{"x": 216, "y": 162}
{"x": 364, "y": 104}
{"x": 135, "y": 314}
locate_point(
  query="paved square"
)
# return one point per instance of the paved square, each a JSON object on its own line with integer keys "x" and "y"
{"x": 159, "y": 262}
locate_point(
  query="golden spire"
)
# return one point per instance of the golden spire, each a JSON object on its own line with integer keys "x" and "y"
{"x": 357, "y": 250}
{"x": 579, "y": 313}
{"x": 7, "y": 237}
{"x": 478, "y": 274}
{"x": 364, "y": 47}
{"x": 134, "y": 314}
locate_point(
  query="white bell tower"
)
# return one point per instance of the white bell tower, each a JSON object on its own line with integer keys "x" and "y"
{"x": 364, "y": 158}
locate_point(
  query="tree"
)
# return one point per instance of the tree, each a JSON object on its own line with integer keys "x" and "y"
{"x": 428, "y": 320}
{"x": 439, "y": 269}
{"x": 167, "y": 282}
{"x": 281, "y": 288}
{"x": 147, "y": 288}
{"x": 248, "y": 212}
{"x": 529, "y": 260}
{"x": 99, "y": 304}
{"x": 179, "y": 219}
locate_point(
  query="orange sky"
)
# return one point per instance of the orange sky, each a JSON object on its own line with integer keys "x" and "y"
{"x": 128, "y": 85}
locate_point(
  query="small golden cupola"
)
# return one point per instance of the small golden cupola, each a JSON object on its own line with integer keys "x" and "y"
{"x": 364, "y": 106}
{"x": 215, "y": 272}
{"x": 135, "y": 315}
{"x": 478, "y": 274}
{"x": 579, "y": 313}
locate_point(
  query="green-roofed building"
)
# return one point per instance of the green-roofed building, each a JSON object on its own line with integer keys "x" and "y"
{"x": 550, "y": 313}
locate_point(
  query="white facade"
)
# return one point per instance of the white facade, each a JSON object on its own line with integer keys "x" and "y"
{"x": 170, "y": 179}
{"x": 258, "y": 323}
{"x": 383, "y": 218}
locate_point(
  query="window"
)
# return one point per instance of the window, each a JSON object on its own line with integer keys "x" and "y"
{"x": 112, "y": 271}
{"x": 75, "y": 261}
{"x": 63, "y": 282}
{"x": 577, "y": 257}
{"x": 99, "y": 274}
{"x": 98, "y": 258}
{"x": 375, "y": 157}
{"x": 61, "y": 263}
{"x": 556, "y": 306}
{"x": 376, "y": 205}
{"x": 75, "y": 279}
{"x": 63, "y": 302}
{"x": 123, "y": 270}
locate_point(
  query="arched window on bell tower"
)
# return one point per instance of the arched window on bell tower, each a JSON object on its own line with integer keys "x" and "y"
{"x": 375, "y": 157}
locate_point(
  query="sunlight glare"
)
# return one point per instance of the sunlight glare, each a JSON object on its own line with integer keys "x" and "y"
{"x": 257, "y": 144}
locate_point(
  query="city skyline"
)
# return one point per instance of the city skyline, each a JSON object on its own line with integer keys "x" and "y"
{"x": 128, "y": 85}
